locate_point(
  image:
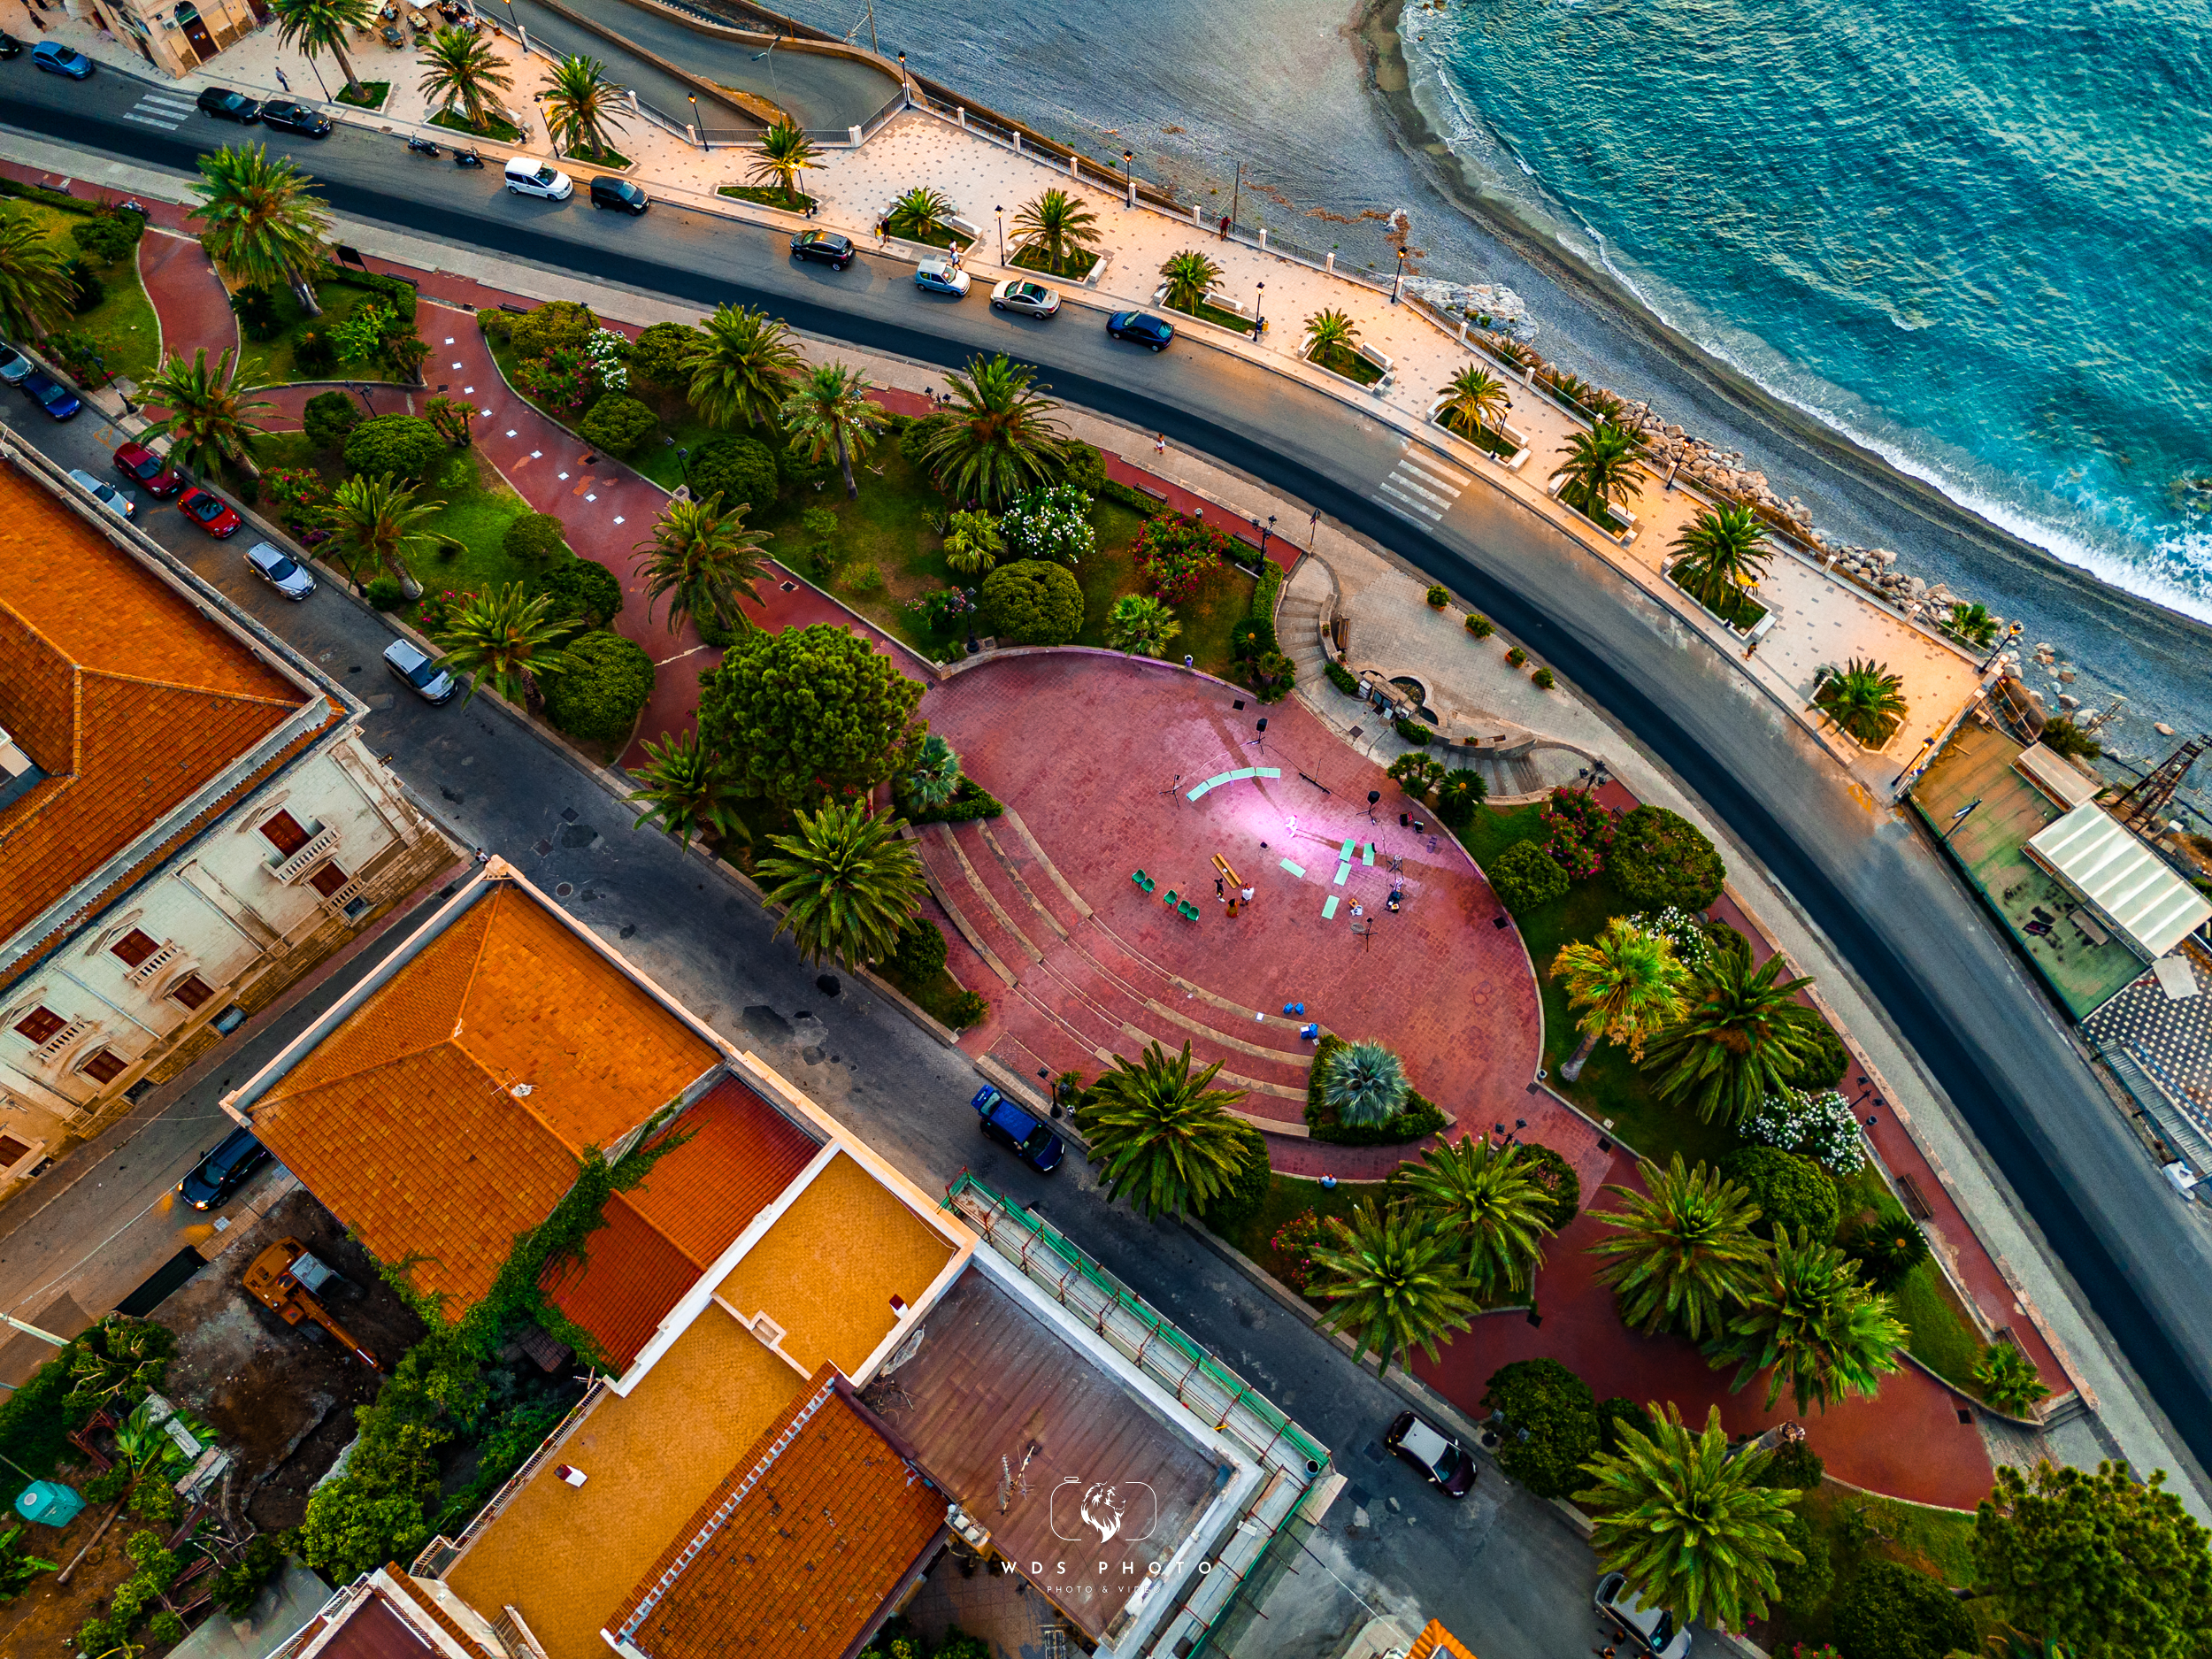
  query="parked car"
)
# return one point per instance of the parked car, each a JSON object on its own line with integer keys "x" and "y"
{"x": 211, "y": 513}
{"x": 9, "y": 47}
{"x": 1141, "y": 328}
{"x": 1030, "y": 1141}
{"x": 57, "y": 60}
{"x": 1434, "y": 1452}
{"x": 419, "y": 670}
{"x": 607, "y": 191}
{"x": 941, "y": 276}
{"x": 297, "y": 118}
{"x": 225, "y": 106}
{"x": 526, "y": 176}
{"x": 824, "y": 247}
{"x": 1032, "y": 299}
{"x": 228, "y": 1165}
{"x": 1651, "y": 1629}
{"x": 279, "y": 570}
{"x": 116, "y": 501}
{"x": 135, "y": 460}
{"x": 13, "y": 366}
{"x": 51, "y": 395}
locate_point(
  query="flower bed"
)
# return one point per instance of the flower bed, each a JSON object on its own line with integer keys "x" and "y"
{"x": 1739, "y": 612}
{"x": 775, "y": 195}
{"x": 1362, "y": 365}
{"x": 1502, "y": 441}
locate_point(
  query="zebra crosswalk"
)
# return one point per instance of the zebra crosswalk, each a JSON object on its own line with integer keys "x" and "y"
{"x": 162, "y": 109}
{"x": 1420, "y": 488}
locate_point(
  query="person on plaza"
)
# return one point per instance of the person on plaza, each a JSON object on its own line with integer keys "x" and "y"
{"x": 1397, "y": 896}
{"x": 281, "y": 81}
{"x": 1328, "y": 1183}
{"x": 1159, "y": 443}
{"x": 1221, "y": 887}
{"x": 1246, "y": 896}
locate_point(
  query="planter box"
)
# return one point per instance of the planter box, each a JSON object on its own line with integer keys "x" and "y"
{"x": 1512, "y": 462}
{"x": 1624, "y": 535}
{"x": 1365, "y": 353}
{"x": 1760, "y": 627}
{"x": 1220, "y": 302}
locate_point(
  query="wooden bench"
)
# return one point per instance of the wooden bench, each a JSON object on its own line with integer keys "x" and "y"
{"x": 1916, "y": 1204}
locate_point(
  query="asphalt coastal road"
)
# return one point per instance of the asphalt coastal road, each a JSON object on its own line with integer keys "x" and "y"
{"x": 1914, "y": 939}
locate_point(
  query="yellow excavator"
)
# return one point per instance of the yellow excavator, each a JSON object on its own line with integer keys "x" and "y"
{"x": 285, "y": 1278}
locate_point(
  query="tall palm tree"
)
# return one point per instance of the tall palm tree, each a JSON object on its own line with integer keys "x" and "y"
{"x": 37, "y": 290}
{"x": 828, "y": 409}
{"x": 377, "y": 519}
{"x": 920, "y": 214}
{"x": 506, "y": 639}
{"x": 1478, "y": 398}
{"x": 701, "y": 557}
{"x": 1485, "y": 1196}
{"x": 1393, "y": 1280}
{"x": 1723, "y": 549}
{"x": 1684, "y": 1250}
{"x": 582, "y": 105}
{"x": 1159, "y": 1135}
{"x": 1743, "y": 1035}
{"x": 785, "y": 153}
{"x": 687, "y": 790}
{"x": 1330, "y": 332}
{"x": 1865, "y": 699}
{"x": 1600, "y": 469}
{"x": 322, "y": 26}
{"x": 935, "y": 778}
{"x": 209, "y": 418}
{"x": 461, "y": 70}
{"x": 972, "y": 542}
{"x": 1190, "y": 278}
{"x": 1692, "y": 1527}
{"x": 1057, "y": 224}
{"x": 261, "y": 224}
{"x": 1001, "y": 439}
{"x": 1365, "y": 1083}
{"x": 742, "y": 367}
{"x": 849, "y": 884}
{"x": 1628, "y": 984}
{"x": 1812, "y": 1325}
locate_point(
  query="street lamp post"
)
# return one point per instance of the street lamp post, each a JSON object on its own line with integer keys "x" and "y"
{"x": 2009, "y": 636}
{"x": 1259, "y": 307}
{"x": 999, "y": 212}
{"x": 697, "y": 131}
{"x": 1129, "y": 175}
{"x": 1400, "y": 283}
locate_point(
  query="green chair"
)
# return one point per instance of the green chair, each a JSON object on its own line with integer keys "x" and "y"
{"x": 1169, "y": 899}
{"x": 1143, "y": 881}
{"x": 1190, "y": 912}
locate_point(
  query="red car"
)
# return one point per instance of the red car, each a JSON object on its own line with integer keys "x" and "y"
{"x": 212, "y": 515}
{"x": 136, "y": 461}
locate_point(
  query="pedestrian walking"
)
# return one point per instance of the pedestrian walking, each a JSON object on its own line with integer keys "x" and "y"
{"x": 1225, "y": 227}
{"x": 1159, "y": 443}
{"x": 1221, "y": 888}
{"x": 1246, "y": 896}
{"x": 1358, "y": 909}
{"x": 281, "y": 81}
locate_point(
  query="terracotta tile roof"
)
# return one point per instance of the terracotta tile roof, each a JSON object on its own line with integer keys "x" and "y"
{"x": 1435, "y": 1641}
{"x": 428, "y": 1605}
{"x": 630, "y": 1275}
{"x": 796, "y": 1551}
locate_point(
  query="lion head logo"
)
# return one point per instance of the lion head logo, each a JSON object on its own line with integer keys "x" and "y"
{"x": 1102, "y": 1509}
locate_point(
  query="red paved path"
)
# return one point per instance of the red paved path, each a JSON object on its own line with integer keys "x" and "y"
{"x": 188, "y": 296}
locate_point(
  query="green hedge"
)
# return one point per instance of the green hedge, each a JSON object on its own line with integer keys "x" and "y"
{"x": 33, "y": 1423}
{"x": 1125, "y": 496}
{"x": 1342, "y": 679}
{"x": 969, "y": 802}
{"x": 608, "y": 683}
{"x": 1418, "y": 1118}
{"x": 1265, "y": 593}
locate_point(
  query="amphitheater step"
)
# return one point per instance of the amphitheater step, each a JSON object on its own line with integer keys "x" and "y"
{"x": 925, "y": 846}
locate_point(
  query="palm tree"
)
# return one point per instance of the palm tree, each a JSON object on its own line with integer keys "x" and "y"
{"x": 1684, "y": 1250}
{"x": 785, "y": 153}
{"x": 1743, "y": 1035}
{"x": 322, "y": 26}
{"x": 1329, "y": 332}
{"x": 261, "y": 224}
{"x": 849, "y": 884}
{"x": 1693, "y": 1528}
{"x": 1160, "y": 1134}
{"x": 1865, "y": 699}
{"x": 1484, "y": 1195}
{"x": 1808, "y": 1323}
{"x": 920, "y": 214}
{"x": 1393, "y": 1280}
{"x": 687, "y": 790}
{"x": 36, "y": 289}
{"x": 462, "y": 69}
{"x": 1057, "y": 224}
{"x": 703, "y": 558}
{"x": 1628, "y": 984}
{"x": 1600, "y": 469}
{"x": 999, "y": 440}
{"x": 1972, "y": 623}
{"x": 506, "y": 639}
{"x": 935, "y": 778}
{"x": 375, "y": 518}
{"x": 2007, "y": 1380}
{"x": 210, "y": 418}
{"x": 1190, "y": 277}
{"x": 743, "y": 368}
{"x": 1723, "y": 550}
{"x": 830, "y": 411}
{"x": 1478, "y": 398}
{"x": 1365, "y": 1084}
{"x": 972, "y": 542}
{"x": 1142, "y": 626}
{"x": 580, "y": 105}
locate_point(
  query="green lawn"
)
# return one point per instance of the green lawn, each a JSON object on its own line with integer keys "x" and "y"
{"x": 123, "y": 323}
{"x": 271, "y": 362}
{"x": 1288, "y": 1196}
{"x": 769, "y": 196}
{"x": 1350, "y": 365}
{"x": 1482, "y": 437}
{"x": 1739, "y": 610}
{"x": 1215, "y": 314}
{"x": 366, "y": 95}
{"x": 1074, "y": 266}
{"x": 497, "y": 127}
{"x": 1860, "y": 1530}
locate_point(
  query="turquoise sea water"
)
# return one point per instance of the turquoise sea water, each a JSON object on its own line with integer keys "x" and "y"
{"x": 1975, "y": 236}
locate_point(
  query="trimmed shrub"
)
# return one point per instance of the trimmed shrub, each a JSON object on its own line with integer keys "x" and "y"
{"x": 403, "y": 445}
{"x": 1660, "y": 859}
{"x": 1551, "y": 1425}
{"x": 658, "y": 353}
{"x": 497, "y": 325}
{"x": 1032, "y": 603}
{"x": 618, "y": 425}
{"x": 1085, "y": 468}
{"x": 1438, "y": 596}
{"x": 921, "y": 950}
{"x": 1459, "y": 794}
{"x": 582, "y": 589}
{"x": 315, "y": 353}
{"x": 384, "y": 593}
{"x": 88, "y": 290}
{"x": 738, "y": 470}
{"x": 1417, "y": 1119}
{"x": 608, "y": 683}
{"x": 1795, "y": 1467}
{"x": 1342, "y": 679}
{"x": 1242, "y": 1199}
{"x": 1557, "y": 1176}
{"x": 1479, "y": 626}
{"x": 1413, "y": 731}
{"x": 1801, "y": 1588}
{"x": 1130, "y": 496}
{"x": 534, "y": 539}
{"x": 1892, "y": 1612}
{"x": 968, "y": 1011}
{"x": 109, "y": 238}
{"x": 555, "y": 322}
{"x": 915, "y": 440}
{"x": 1825, "y": 1067}
{"x": 329, "y": 418}
{"x": 1620, "y": 1416}
{"x": 1886, "y": 1246}
{"x": 1792, "y": 1192}
{"x": 1517, "y": 657}
{"x": 1524, "y": 876}
{"x": 1542, "y": 679}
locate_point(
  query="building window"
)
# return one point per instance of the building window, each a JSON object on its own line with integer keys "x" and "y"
{"x": 133, "y": 947}
{"x": 329, "y": 878}
{"x": 191, "y": 990}
{"x": 39, "y": 1025}
{"x": 284, "y": 834}
{"x": 11, "y": 1152}
{"x": 105, "y": 1066}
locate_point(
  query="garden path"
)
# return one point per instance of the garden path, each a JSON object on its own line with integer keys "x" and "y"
{"x": 188, "y": 296}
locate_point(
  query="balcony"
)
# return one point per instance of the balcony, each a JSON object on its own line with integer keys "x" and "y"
{"x": 336, "y": 902}
{"x": 53, "y": 1049}
{"x": 320, "y": 845}
{"x": 147, "y": 971}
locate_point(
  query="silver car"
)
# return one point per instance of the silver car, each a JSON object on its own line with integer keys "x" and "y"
{"x": 13, "y": 366}
{"x": 279, "y": 570}
{"x": 116, "y": 501}
{"x": 1030, "y": 299}
{"x": 419, "y": 670}
{"x": 1649, "y": 1629}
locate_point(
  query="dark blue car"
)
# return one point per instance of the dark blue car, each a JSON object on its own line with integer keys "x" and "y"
{"x": 51, "y": 395}
{"x": 223, "y": 1170}
{"x": 1029, "y": 1141}
{"x": 1141, "y": 328}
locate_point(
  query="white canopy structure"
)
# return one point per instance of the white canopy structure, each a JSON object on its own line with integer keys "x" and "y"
{"x": 2123, "y": 881}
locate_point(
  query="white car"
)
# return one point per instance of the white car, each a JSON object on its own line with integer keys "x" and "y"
{"x": 526, "y": 176}
{"x": 116, "y": 501}
{"x": 941, "y": 276}
{"x": 279, "y": 570}
{"x": 1651, "y": 1629}
{"x": 1030, "y": 299}
{"x": 14, "y": 365}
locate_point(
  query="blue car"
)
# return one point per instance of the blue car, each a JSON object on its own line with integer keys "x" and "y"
{"x": 1141, "y": 328}
{"x": 57, "y": 60}
{"x": 51, "y": 395}
{"x": 1029, "y": 1141}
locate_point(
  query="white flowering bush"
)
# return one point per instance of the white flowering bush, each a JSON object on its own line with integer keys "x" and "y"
{"x": 608, "y": 352}
{"x": 1049, "y": 524}
{"x": 1821, "y": 1127}
{"x": 1693, "y": 949}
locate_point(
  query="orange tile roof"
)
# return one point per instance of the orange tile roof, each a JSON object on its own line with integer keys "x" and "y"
{"x": 117, "y": 688}
{"x": 797, "y": 1550}
{"x": 630, "y": 1275}
{"x": 428, "y": 1603}
{"x": 1435, "y": 1641}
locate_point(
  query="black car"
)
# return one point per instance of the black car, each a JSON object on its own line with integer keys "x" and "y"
{"x": 295, "y": 117}
{"x": 9, "y": 47}
{"x": 218, "y": 1176}
{"x": 825, "y": 247}
{"x": 612, "y": 192}
{"x": 229, "y": 106}
{"x": 1141, "y": 328}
